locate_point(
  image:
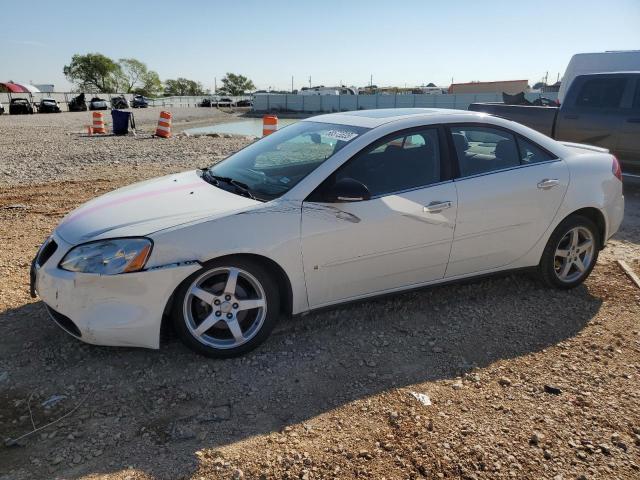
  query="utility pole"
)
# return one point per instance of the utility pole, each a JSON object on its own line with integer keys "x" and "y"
{"x": 309, "y": 81}
{"x": 371, "y": 81}
{"x": 291, "y": 83}
{"x": 215, "y": 85}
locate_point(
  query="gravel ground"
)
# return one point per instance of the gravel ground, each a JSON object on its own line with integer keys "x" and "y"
{"x": 522, "y": 382}
{"x": 53, "y": 147}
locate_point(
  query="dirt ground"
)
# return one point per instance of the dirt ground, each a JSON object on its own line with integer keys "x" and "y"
{"x": 523, "y": 382}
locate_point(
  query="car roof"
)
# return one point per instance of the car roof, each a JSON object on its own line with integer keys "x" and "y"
{"x": 377, "y": 117}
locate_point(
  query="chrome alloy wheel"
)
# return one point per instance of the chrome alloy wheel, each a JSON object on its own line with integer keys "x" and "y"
{"x": 574, "y": 254}
{"x": 225, "y": 307}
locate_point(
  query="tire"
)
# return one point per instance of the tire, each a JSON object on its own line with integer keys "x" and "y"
{"x": 253, "y": 307}
{"x": 559, "y": 271}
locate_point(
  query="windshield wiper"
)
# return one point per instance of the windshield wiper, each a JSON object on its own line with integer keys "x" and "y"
{"x": 240, "y": 187}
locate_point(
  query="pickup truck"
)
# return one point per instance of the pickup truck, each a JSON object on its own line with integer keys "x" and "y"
{"x": 601, "y": 109}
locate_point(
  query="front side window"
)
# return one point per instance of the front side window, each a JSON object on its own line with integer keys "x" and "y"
{"x": 404, "y": 162}
{"x": 484, "y": 149}
{"x": 272, "y": 166}
{"x": 601, "y": 93}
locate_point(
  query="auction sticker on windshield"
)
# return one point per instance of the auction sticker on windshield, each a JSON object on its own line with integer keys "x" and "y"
{"x": 344, "y": 135}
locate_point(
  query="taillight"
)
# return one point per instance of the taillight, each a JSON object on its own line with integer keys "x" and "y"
{"x": 615, "y": 168}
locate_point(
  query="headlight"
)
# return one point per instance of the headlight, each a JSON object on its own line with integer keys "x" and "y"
{"x": 108, "y": 257}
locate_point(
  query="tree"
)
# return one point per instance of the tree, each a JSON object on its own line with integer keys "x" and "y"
{"x": 93, "y": 72}
{"x": 151, "y": 85}
{"x": 183, "y": 86}
{"x": 132, "y": 73}
{"x": 135, "y": 77}
{"x": 233, "y": 84}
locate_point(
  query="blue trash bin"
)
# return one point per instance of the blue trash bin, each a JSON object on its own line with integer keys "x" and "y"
{"x": 121, "y": 122}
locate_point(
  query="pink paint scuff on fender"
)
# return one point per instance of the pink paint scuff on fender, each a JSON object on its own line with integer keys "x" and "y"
{"x": 129, "y": 198}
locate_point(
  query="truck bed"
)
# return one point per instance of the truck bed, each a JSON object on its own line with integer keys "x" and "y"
{"x": 539, "y": 118}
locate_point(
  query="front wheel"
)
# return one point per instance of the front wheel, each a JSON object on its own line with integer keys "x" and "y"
{"x": 227, "y": 308}
{"x": 571, "y": 253}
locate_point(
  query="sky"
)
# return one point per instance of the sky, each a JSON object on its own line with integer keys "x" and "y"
{"x": 400, "y": 43}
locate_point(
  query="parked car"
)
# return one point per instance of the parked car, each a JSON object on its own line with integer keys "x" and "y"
{"x": 20, "y": 106}
{"x": 97, "y": 103}
{"x": 244, "y": 103}
{"x": 78, "y": 104}
{"x": 217, "y": 102}
{"x": 120, "y": 102}
{"x": 1, "y": 109}
{"x": 139, "y": 102}
{"x": 600, "y": 109}
{"x": 48, "y": 105}
{"x": 331, "y": 209}
{"x": 225, "y": 102}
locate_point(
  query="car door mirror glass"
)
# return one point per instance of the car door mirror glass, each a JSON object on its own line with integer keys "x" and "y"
{"x": 346, "y": 190}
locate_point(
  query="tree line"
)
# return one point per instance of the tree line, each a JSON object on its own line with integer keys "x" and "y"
{"x": 97, "y": 73}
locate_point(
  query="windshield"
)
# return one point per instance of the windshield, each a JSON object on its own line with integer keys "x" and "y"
{"x": 275, "y": 164}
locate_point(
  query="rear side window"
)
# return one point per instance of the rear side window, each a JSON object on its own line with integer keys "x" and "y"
{"x": 601, "y": 93}
{"x": 404, "y": 162}
{"x": 484, "y": 149}
{"x": 530, "y": 153}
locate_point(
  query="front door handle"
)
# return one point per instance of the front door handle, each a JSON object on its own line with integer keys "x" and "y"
{"x": 633, "y": 120}
{"x": 548, "y": 183}
{"x": 437, "y": 207}
{"x": 571, "y": 116}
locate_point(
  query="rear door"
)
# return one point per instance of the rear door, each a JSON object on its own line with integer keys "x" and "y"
{"x": 509, "y": 190}
{"x": 593, "y": 111}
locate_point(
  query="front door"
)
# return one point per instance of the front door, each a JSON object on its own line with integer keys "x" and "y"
{"x": 593, "y": 112}
{"x": 629, "y": 141}
{"x": 400, "y": 237}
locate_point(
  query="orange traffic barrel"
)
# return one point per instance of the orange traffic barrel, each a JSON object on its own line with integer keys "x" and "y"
{"x": 269, "y": 124}
{"x": 98, "y": 123}
{"x": 164, "y": 125}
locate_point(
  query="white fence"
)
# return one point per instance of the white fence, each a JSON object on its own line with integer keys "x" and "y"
{"x": 343, "y": 103}
{"x": 190, "y": 101}
{"x": 63, "y": 98}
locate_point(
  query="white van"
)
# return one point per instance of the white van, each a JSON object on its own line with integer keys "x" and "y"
{"x": 600, "y": 62}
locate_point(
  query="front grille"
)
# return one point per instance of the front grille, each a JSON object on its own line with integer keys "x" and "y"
{"x": 64, "y": 322}
{"x": 48, "y": 249}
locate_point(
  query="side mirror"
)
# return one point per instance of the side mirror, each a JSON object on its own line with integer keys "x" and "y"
{"x": 346, "y": 190}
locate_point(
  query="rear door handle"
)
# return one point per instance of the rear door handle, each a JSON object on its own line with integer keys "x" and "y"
{"x": 548, "y": 183}
{"x": 633, "y": 120}
{"x": 436, "y": 207}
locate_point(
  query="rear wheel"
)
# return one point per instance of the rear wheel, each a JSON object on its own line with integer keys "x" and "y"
{"x": 227, "y": 308}
{"x": 571, "y": 253}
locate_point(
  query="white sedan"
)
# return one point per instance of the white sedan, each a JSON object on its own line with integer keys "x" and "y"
{"x": 328, "y": 210}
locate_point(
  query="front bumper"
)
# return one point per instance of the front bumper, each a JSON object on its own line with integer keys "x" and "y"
{"x": 115, "y": 310}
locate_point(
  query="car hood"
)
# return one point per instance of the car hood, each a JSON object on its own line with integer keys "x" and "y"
{"x": 146, "y": 207}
